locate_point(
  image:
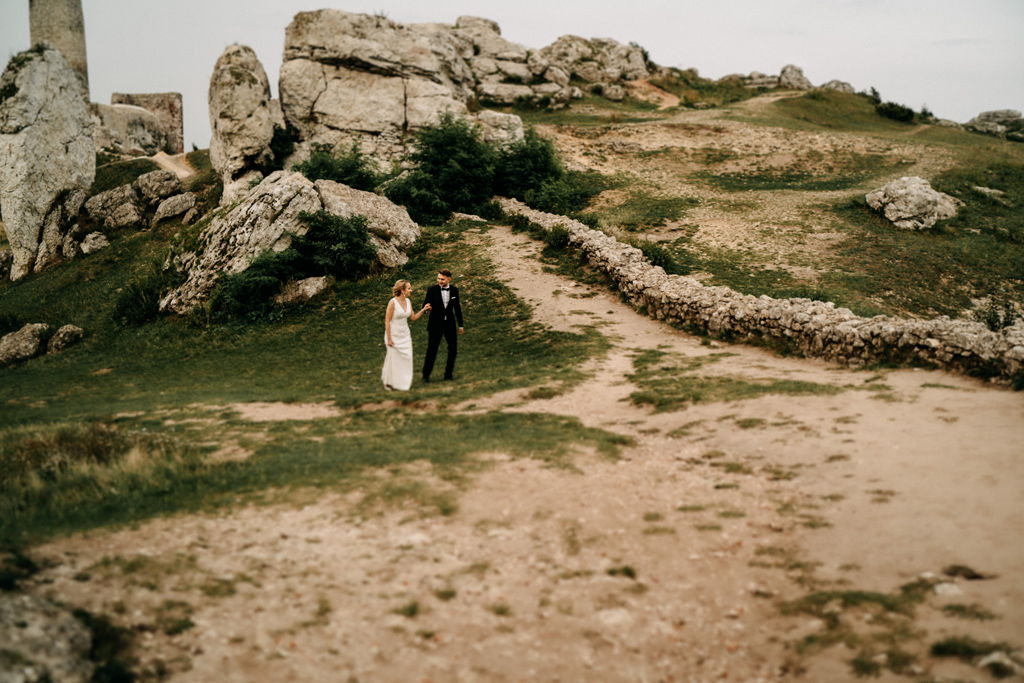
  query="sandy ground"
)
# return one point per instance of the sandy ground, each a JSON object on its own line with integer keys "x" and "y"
{"x": 668, "y": 564}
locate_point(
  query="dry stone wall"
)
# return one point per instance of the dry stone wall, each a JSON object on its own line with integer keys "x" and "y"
{"x": 816, "y": 328}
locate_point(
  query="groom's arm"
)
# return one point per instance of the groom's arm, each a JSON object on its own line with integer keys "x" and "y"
{"x": 457, "y": 309}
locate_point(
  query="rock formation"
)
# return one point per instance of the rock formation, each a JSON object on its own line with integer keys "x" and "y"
{"x": 911, "y": 203}
{"x": 22, "y": 344}
{"x": 1001, "y": 122}
{"x": 128, "y": 205}
{"x": 267, "y": 218}
{"x": 838, "y": 86}
{"x": 127, "y": 130}
{"x": 792, "y": 78}
{"x": 600, "y": 60}
{"x": 60, "y": 23}
{"x": 47, "y": 158}
{"x": 166, "y": 107}
{"x": 240, "y": 121}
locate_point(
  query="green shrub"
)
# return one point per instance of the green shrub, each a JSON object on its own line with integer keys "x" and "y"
{"x": 138, "y": 302}
{"x": 567, "y": 194}
{"x": 894, "y": 111}
{"x": 418, "y": 193}
{"x": 335, "y": 246}
{"x": 350, "y": 168}
{"x": 282, "y": 144}
{"x": 557, "y": 237}
{"x": 526, "y": 165}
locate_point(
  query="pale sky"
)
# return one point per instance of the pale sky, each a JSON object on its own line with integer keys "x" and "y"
{"x": 958, "y": 57}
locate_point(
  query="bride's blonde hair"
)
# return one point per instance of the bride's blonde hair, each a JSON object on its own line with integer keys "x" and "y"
{"x": 399, "y": 286}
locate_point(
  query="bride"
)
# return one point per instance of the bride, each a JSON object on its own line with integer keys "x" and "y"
{"x": 397, "y": 371}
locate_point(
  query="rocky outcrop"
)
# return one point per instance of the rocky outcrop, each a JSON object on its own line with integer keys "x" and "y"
{"x": 756, "y": 79}
{"x": 268, "y": 217}
{"x": 128, "y": 205}
{"x": 792, "y": 78}
{"x": 21, "y": 345}
{"x": 127, "y": 130}
{"x": 42, "y": 642}
{"x": 911, "y": 203}
{"x": 67, "y": 335}
{"x": 241, "y": 123}
{"x": 816, "y": 328}
{"x": 166, "y": 107}
{"x": 1000, "y": 122}
{"x": 303, "y": 290}
{"x": 599, "y": 60}
{"x": 838, "y": 86}
{"x": 174, "y": 206}
{"x": 47, "y": 158}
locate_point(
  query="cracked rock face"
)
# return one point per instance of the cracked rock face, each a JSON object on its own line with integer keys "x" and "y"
{"x": 241, "y": 121}
{"x": 266, "y": 219}
{"x": 47, "y": 157}
{"x": 355, "y": 77}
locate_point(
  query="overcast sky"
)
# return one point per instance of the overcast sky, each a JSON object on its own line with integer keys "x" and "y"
{"x": 958, "y": 57}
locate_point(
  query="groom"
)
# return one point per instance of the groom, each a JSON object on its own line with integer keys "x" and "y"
{"x": 445, "y": 321}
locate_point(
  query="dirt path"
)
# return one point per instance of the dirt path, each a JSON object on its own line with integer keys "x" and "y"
{"x": 176, "y": 164}
{"x": 668, "y": 564}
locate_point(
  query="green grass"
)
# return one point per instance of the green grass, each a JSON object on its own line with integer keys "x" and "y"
{"x": 126, "y": 382}
{"x": 641, "y": 210}
{"x": 849, "y": 171}
{"x": 667, "y": 384}
{"x": 600, "y": 112}
{"x": 109, "y": 176}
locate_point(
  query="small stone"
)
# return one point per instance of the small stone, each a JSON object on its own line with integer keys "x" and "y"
{"x": 66, "y": 336}
{"x": 93, "y": 242}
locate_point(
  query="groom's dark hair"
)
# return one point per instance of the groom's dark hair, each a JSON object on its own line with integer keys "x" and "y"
{"x": 445, "y": 272}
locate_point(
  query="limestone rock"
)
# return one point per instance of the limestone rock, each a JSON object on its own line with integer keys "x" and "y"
{"x": 792, "y": 78}
{"x": 615, "y": 92}
{"x": 361, "y": 78}
{"x": 839, "y": 86}
{"x": 504, "y": 93}
{"x": 22, "y": 345}
{"x": 266, "y": 219}
{"x": 911, "y": 203}
{"x": 118, "y": 207}
{"x": 47, "y": 158}
{"x": 166, "y": 107}
{"x": 997, "y": 122}
{"x": 756, "y": 79}
{"x": 66, "y": 336}
{"x": 174, "y": 206}
{"x": 261, "y": 221}
{"x": 93, "y": 242}
{"x": 127, "y": 130}
{"x": 241, "y": 123}
{"x": 46, "y": 641}
{"x": 392, "y": 232}
{"x": 596, "y": 60}
{"x": 502, "y": 129}
{"x": 155, "y": 185}
{"x": 302, "y": 290}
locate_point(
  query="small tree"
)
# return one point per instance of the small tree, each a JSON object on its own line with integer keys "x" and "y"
{"x": 350, "y": 168}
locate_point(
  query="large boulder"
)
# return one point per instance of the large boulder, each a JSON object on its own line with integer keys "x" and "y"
{"x": 241, "y": 122}
{"x": 267, "y": 218}
{"x": 42, "y": 642}
{"x": 838, "y": 86}
{"x": 127, "y": 130}
{"x": 47, "y": 157}
{"x": 392, "y": 232}
{"x": 118, "y": 207}
{"x": 155, "y": 186}
{"x": 997, "y": 122}
{"x": 23, "y": 344}
{"x": 598, "y": 60}
{"x": 361, "y": 78}
{"x": 67, "y": 335}
{"x": 911, "y": 203}
{"x": 792, "y": 78}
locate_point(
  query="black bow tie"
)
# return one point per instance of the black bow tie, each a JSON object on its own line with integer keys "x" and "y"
{"x": 444, "y": 289}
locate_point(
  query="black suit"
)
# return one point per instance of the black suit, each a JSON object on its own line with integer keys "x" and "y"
{"x": 442, "y": 322}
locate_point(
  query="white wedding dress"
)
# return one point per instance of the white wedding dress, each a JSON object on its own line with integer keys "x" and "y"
{"x": 397, "y": 371}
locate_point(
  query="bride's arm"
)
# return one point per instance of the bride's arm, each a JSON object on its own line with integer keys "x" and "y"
{"x": 387, "y": 323}
{"x": 416, "y": 315}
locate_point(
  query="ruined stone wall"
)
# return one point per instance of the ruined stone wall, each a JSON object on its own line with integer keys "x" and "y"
{"x": 61, "y": 24}
{"x": 167, "y": 108}
{"x": 816, "y": 328}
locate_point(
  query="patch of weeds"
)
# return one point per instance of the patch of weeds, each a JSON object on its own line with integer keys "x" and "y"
{"x": 642, "y": 210}
{"x": 751, "y": 423}
{"x": 968, "y": 611}
{"x": 445, "y": 594}
{"x": 967, "y": 648}
{"x": 965, "y": 572}
{"x": 780, "y": 473}
{"x": 110, "y": 648}
{"x": 684, "y": 430}
{"x": 731, "y": 514}
{"x": 501, "y": 609}
{"x": 692, "y": 508}
{"x": 410, "y": 610}
{"x": 172, "y": 617}
{"x": 625, "y": 570}
{"x": 881, "y": 495}
{"x": 658, "y": 530}
{"x": 719, "y": 487}
{"x": 653, "y": 516}
{"x": 837, "y": 457}
{"x": 708, "y": 527}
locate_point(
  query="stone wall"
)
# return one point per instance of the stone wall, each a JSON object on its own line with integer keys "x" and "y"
{"x": 815, "y": 328}
{"x": 166, "y": 106}
{"x": 60, "y": 23}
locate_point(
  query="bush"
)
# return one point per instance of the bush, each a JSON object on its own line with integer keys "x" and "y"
{"x": 282, "y": 144}
{"x": 138, "y": 302}
{"x": 557, "y": 237}
{"x": 894, "y": 111}
{"x": 349, "y": 169}
{"x": 568, "y": 194}
{"x": 526, "y": 165}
